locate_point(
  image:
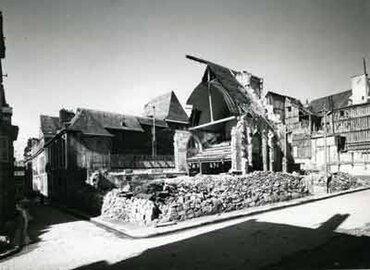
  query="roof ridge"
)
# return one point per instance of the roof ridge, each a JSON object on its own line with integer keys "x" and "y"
{"x": 107, "y": 112}
{"x": 338, "y": 93}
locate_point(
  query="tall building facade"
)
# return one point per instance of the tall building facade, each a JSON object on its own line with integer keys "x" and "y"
{"x": 8, "y": 134}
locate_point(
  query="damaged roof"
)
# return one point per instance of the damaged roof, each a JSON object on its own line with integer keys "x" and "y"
{"x": 331, "y": 102}
{"x": 49, "y": 124}
{"x": 167, "y": 107}
{"x": 293, "y": 100}
{"x": 237, "y": 97}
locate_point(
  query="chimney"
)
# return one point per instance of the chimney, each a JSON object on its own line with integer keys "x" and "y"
{"x": 360, "y": 89}
{"x": 65, "y": 117}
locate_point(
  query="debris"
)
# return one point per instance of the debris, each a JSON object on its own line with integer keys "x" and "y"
{"x": 182, "y": 198}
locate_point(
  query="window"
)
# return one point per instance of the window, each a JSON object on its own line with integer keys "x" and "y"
{"x": 341, "y": 113}
{"x": 289, "y": 109}
{"x": 4, "y": 149}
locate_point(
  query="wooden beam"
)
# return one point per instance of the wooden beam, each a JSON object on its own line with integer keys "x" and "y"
{"x": 209, "y": 94}
{"x": 213, "y": 123}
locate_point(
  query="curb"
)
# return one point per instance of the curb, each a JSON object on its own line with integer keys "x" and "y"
{"x": 81, "y": 215}
{"x": 220, "y": 218}
{"x": 10, "y": 252}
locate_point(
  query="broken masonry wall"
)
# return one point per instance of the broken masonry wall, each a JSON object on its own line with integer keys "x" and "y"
{"x": 251, "y": 145}
{"x": 180, "y": 143}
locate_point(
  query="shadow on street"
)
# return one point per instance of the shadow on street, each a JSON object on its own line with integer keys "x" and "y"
{"x": 257, "y": 245}
{"x": 42, "y": 217}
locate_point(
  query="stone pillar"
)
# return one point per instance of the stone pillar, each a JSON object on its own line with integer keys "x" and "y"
{"x": 180, "y": 141}
{"x": 250, "y": 146}
{"x": 271, "y": 150}
{"x": 264, "y": 150}
{"x": 247, "y": 151}
{"x": 285, "y": 148}
{"x": 235, "y": 150}
{"x": 240, "y": 140}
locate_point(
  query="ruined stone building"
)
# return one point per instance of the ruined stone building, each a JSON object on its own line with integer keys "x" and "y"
{"x": 235, "y": 127}
{"x": 230, "y": 126}
{"x": 296, "y": 121}
{"x": 8, "y": 134}
{"x": 72, "y": 145}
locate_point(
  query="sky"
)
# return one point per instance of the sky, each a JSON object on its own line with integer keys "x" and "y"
{"x": 116, "y": 55}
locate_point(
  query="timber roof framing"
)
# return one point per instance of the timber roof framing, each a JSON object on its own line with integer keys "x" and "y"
{"x": 239, "y": 99}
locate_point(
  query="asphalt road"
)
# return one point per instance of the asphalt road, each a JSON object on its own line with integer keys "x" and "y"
{"x": 328, "y": 234}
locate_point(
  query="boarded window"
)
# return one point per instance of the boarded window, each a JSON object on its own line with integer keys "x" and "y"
{"x": 4, "y": 149}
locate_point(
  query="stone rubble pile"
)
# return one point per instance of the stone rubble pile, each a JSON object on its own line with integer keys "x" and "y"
{"x": 184, "y": 198}
{"x": 122, "y": 206}
{"x": 207, "y": 195}
{"x": 317, "y": 182}
{"x": 344, "y": 181}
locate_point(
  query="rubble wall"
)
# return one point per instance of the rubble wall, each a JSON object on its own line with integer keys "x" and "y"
{"x": 184, "y": 198}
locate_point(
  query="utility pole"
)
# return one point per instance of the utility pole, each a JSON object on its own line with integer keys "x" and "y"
{"x": 325, "y": 144}
{"x": 364, "y": 64}
{"x": 285, "y": 157}
{"x": 154, "y": 146}
{"x": 210, "y": 95}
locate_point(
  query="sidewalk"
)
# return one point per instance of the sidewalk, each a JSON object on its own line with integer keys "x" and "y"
{"x": 137, "y": 231}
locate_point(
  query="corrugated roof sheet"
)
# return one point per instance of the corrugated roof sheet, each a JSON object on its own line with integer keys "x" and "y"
{"x": 49, "y": 124}
{"x": 331, "y": 102}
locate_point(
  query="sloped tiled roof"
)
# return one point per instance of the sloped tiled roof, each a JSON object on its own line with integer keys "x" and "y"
{"x": 331, "y": 102}
{"x": 167, "y": 107}
{"x": 85, "y": 122}
{"x": 49, "y": 124}
{"x": 98, "y": 123}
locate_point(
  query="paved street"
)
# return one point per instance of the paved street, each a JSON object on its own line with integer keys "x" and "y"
{"x": 333, "y": 233}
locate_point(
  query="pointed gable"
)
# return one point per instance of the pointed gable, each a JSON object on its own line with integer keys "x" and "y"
{"x": 167, "y": 107}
